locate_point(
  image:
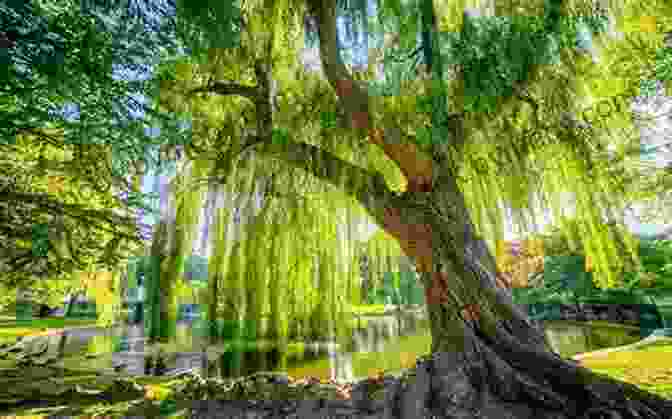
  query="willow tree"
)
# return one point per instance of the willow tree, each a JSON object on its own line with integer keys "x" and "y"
{"x": 506, "y": 120}
{"x": 260, "y": 251}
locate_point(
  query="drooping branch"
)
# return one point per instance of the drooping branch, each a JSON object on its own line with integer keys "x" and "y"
{"x": 222, "y": 88}
{"x": 49, "y": 204}
{"x": 369, "y": 188}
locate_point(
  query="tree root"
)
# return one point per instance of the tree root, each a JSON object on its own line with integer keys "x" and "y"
{"x": 503, "y": 378}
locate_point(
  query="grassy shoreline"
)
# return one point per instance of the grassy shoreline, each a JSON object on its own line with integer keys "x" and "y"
{"x": 647, "y": 363}
{"x": 11, "y": 328}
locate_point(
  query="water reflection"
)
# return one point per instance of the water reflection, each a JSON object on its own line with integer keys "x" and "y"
{"x": 571, "y": 338}
{"x": 104, "y": 348}
{"x": 383, "y": 343}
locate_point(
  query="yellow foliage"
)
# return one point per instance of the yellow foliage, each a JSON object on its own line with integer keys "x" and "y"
{"x": 156, "y": 392}
{"x": 517, "y": 269}
{"x": 55, "y": 184}
{"x": 648, "y": 24}
{"x": 100, "y": 287}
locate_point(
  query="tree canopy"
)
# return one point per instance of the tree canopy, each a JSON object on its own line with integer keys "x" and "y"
{"x": 71, "y": 134}
{"x": 524, "y": 136}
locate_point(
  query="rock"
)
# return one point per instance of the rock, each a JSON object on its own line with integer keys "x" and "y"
{"x": 415, "y": 392}
{"x": 630, "y": 314}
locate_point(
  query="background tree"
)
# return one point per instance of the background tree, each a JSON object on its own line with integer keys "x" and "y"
{"x": 565, "y": 239}
{"x": 520, "y": 261}
{"x": 656, "y": 258}
{"x": 64, "y": 106}
{"x": 78, "y": 136}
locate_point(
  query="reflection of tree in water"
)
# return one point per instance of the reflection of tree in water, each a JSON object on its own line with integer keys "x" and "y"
{"x": 240, "y": 363}
{"x": 573, "y": 339}
{"x": 60, "y": 351}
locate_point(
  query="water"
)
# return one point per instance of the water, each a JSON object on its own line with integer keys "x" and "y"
{"x": 388, "y": 343}
{"x": 570, "y": 338}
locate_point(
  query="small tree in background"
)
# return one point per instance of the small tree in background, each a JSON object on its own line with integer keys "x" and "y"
{"x": 656, "y": 257}
{"x": 520, "y": 260}
{"x": 564, "y": 279}
{"x": 566, "y": 275}
{"x": 572, "y": 242}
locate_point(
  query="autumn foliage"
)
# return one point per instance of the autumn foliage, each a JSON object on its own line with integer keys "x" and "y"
{"x": 518, "y": 260}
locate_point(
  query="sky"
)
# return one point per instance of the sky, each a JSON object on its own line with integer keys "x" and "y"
{"x": 153, "y": 183}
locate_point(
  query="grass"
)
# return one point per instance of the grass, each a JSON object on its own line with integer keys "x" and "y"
{"x": 12, "y": 328}
{"x": 649, "y": 369}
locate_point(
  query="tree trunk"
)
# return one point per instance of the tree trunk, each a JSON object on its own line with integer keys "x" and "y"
{"x": 489, "y": 361}
{"x": 153, "y": 282}
{"x": 70, "y": 305}
{"x": 213, "y": 296}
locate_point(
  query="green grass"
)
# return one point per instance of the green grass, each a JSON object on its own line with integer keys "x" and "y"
{"x": 12, "y": 328}
{"x": 48, "y": 323}
{"x": 649, "y": 368}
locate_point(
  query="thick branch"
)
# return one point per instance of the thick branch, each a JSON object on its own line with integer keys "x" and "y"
{"x": 369, "y": 188}
{"x": 413, "y": 164}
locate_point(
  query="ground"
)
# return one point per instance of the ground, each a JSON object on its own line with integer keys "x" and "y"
{"x": 645, "y": 366}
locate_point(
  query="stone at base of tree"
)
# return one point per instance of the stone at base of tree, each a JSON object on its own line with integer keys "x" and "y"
{"x": 476, "y": 384}
{"x": 630, "y": 314}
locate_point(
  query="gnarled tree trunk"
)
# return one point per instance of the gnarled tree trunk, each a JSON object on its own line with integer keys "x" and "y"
{"x": 489, "y": 359}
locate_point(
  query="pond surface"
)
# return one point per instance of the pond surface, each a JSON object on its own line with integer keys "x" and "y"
{"x": 569, "y": 338}
{"x": 387, "y": 343}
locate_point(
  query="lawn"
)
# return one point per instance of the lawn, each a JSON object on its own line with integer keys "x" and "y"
{"x": 648, "y": 367}
{"x": 12, "y": 328}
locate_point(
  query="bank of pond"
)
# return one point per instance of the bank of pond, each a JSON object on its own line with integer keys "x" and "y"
{"x": 388, "y": 343}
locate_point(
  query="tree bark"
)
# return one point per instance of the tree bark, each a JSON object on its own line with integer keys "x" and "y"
{"x": 489, "y": 358}
{"x": 153, "y": 281}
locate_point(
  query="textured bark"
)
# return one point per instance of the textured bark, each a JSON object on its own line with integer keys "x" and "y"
{"x": 490, "y": 360}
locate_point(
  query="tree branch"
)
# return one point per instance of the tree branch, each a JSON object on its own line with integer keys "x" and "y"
{"x": 369, "y": 188}
{"x": 415, "y": 165}
{"x": 221, "y": 88}
{"x": 51, "y": 205}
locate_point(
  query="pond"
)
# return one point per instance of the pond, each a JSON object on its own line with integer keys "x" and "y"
{"x": 387, "y": 343}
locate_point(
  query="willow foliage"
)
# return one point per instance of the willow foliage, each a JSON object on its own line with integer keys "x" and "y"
{"x": 541, "y": 142}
